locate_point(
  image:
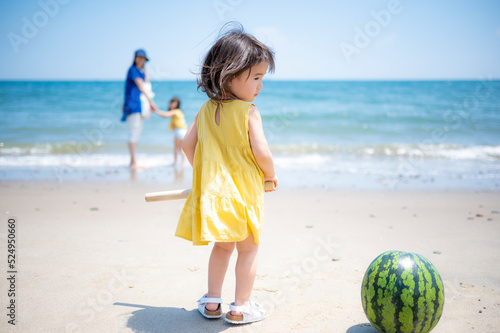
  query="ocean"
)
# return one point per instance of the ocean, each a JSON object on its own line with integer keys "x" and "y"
{"x": 323, "y": 134}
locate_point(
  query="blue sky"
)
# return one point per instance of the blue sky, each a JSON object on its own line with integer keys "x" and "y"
{"x": 337, "y": 40}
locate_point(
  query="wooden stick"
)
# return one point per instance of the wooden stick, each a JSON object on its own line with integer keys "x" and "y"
{"x": 183, "y": 194}
{"x": 167, "y": 195}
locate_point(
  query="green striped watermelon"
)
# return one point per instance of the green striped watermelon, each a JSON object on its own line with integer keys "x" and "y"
{"x": 402, "y": 292}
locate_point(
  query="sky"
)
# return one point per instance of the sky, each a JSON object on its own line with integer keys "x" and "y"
{"x": 313, "y": 40}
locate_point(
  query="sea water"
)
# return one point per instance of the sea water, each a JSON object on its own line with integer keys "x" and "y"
{"x": 328, "y": 134}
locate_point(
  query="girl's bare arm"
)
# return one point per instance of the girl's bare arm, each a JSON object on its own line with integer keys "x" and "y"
{"x": 166, "y": 114}
{"x": 190, "y": 141}
{"x": 260, "y": 148}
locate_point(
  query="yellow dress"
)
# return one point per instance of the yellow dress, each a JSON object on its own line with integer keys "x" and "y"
{"x": 226, "y": 202}
{"x": 177, "y": 121}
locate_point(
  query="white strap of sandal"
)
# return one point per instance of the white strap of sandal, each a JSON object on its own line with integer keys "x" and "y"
{"x": 239, "y": 308}
{"x": 246, "y": 308}
{"x": 205, "y": 300}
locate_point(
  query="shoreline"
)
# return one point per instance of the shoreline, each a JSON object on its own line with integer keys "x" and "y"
{"x": 300, "y": 177}
{"x": 131, "y": 180}
{"x": 94, "y": 256}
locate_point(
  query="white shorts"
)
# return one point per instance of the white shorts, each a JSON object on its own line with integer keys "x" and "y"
{"x": 134, "y": 122}
{"x": 180, "y": 133}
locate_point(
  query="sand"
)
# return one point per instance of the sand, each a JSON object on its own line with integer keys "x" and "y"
{"x": 95, "y": 257}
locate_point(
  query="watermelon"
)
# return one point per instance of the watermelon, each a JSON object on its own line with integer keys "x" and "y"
{"x": 402, "y": 292}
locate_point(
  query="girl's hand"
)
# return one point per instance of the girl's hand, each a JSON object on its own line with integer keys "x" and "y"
{"x": 274, "y": 180}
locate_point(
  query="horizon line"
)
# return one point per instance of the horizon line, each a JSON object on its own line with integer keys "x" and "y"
{"x": 267, "y": 79}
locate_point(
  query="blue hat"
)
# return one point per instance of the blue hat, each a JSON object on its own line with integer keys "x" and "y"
{"x": 141, "y": 53}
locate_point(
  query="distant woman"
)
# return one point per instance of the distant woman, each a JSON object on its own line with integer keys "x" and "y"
{"x": 177, "y": 124}
{"x": 134, "y": 86}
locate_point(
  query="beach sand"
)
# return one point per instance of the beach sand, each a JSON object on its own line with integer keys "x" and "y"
{"x": 95, "y": 257}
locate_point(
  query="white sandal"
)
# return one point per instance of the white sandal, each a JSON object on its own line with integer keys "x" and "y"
{"x": 250, "y": 313}
{"x": 207, "y": 313}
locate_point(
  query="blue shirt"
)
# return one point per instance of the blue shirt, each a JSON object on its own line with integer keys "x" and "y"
{"x": 132, "y": 103}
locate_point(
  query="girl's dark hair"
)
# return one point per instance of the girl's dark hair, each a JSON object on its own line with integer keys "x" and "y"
{"x": 175, "y": 99}
{"x": 233, "y": 53}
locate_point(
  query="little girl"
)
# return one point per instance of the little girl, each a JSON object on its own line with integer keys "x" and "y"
{"x": 231, "y": 160}
{"x": 177, "y": 124}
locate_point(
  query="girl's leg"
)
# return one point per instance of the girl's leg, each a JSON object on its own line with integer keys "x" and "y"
{"x": 175, "y": 150}
{"x": 178, "y": 149}
{"x": 217, "y": 267}
{"x": 246, "y": 267}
